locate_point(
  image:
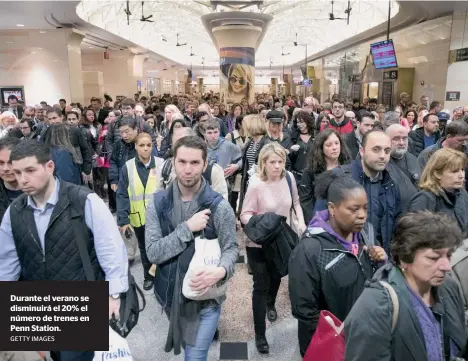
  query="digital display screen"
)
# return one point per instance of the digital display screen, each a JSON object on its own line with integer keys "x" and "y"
{"x": 383, "y": 54}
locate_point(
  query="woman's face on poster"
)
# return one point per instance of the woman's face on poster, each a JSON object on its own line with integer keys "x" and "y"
{"x": 238, "y": 81}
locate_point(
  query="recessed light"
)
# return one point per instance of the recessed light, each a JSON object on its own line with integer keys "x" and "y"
{"x": 42, "y": 31}
{"x": 20, "y": 25}
{"x": 55, "y": 60}
{"x": 10, "y": 42}
{"x": 33, "y": 52}
{"x": 90, "y": 47}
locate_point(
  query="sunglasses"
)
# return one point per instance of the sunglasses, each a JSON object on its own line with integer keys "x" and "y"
{"x": 235, "y": 79}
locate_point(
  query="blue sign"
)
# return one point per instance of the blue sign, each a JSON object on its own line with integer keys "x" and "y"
{"x": 139, "y": 83}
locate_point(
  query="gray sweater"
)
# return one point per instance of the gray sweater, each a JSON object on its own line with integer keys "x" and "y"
{"x": 160, "y": 249}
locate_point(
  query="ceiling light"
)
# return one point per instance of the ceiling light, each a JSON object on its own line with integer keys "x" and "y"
{"x": 90, "y": 47}
{"x": 42, "y": 31}
{"x": 33, "y": 52}
{"x": 20, "y": 25}
{"x": 10, "y": 42}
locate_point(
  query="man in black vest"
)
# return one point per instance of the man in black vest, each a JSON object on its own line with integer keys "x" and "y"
{"x": 37, "y": 236}
{"x": 187, "y": 209}
{"x": 9, "y": 188}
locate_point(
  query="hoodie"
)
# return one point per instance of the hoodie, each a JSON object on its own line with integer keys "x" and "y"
{"x": 320, "y": 221}
{"x": 345, "y": 127}
{"x": 225, "y": 153}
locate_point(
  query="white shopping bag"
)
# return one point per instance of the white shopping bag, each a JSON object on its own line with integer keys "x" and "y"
{"x": 118, "y": 349}
{"x": 207, "y": 254}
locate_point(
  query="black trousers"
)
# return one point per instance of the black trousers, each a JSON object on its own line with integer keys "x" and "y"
{"x": 100, "y": 178}
{"x": 140, "y": 235}
{"x": 111, "y": 196}
{"x": 72, "y": 355}
{"x": 266, "y": 283}
{"x": 233, "y": 197}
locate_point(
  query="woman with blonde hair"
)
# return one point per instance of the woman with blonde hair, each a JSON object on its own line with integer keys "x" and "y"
{"x": 270, "y": 180}
{"x": 170, "y": 113}
{"x": 442, "y": 187}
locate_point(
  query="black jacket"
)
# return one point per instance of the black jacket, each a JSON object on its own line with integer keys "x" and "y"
{"x": 299, "y": 159}
{"x": 306, "y": 192}
{"x": 323, "y": 275}
{"x": 401, "y": 177}
{"x": 277, "y": 238}
{"x": 454, "y": 205}
{"x": 352, "y": 143}
{"x": 4, "y": 200}
{"x": 417, "y": 139}
{"x": 368, "y": 326}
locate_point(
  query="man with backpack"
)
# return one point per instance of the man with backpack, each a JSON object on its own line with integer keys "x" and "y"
{"x": 43, "y": 229}
{"x": 213, "y": 173}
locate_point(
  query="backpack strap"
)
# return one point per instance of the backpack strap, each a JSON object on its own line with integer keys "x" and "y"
{"x": 396, "y": 305}
{"x": 78, "y": 230}
{"x": 208, "y": 171}
{"x": 166, "y": 171}
{"x": 288, "y": 179}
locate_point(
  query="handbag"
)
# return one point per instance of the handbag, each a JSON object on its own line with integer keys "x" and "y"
{"x": 328, "y": 342}
{"x": 292, "y": 212}
{"x": 129, "y": 303}
{"x": 207, "y": 254}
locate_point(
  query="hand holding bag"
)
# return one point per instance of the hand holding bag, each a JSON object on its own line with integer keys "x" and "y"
{"x": 207, "y": 254}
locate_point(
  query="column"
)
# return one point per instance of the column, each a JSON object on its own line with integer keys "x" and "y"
{"x": 236, "y": 44}
{"x": 457, "y": 73}
{"x": 74, "y": 39}
{"x": 274, "y": 86}
{"x": 200, "y": 85}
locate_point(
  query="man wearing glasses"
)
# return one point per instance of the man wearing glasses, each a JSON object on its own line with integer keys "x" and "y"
{"x": 339, "y": 122}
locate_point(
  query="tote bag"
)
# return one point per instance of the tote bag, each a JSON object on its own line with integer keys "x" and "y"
{"x": 207, "y": 254}
{"x": 118, "y": 349}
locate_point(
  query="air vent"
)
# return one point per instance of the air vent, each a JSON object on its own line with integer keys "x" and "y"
{"x": 244, "y": 22}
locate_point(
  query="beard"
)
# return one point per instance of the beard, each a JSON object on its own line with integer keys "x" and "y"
{"x": 399, "y": 152}
{"x": 189, "y": 183}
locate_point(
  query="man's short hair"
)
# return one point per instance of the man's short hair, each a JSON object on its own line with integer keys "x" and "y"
{"x": 12, "y": 97}
{"x": 128, "y": 102}
{"x": 31, "y": 148}
{"x": 373, "y": 101}
{"x": 192, "y": 142}
{"x": 8, "y": 143}
{"x": 364, "y": 114}
{"x": 62, "y": 100}
{"x": 339, "y": 101}
{"x": 427, "y": 116}
{"x": 457, "y": 128}
{"x": 212, "y": 124}
{"x": 390, "y": 118}
{"x": 369, "y": 133}
{"x": 96, "y": 99}
{"x": 56, "y": 110}
{"x": 74, "y": 112}
{"x": 434, "y": 105}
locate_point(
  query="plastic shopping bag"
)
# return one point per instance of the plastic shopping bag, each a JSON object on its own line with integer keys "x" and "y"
{"x": 207, "y": 254}
{"x": 118, "y": 349}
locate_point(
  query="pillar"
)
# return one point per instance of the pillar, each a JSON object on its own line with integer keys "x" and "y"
{"x": 457, "y": 73}
{"x": 274, "y": 86}
{"x": 200, "y": 85}
{"x": 237, "y": 45}
{"x": 187, "y": 84}
{"x": 136, "y": 71}
{"x": 287, "y": 79}
{"x": 75, "y": 67}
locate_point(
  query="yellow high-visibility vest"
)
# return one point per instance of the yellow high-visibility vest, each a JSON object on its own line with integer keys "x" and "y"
{"x": 138, "y": 195}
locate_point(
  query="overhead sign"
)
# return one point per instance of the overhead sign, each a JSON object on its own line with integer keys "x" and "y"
{"x": 355, "y": 78}
{"x": 390, "y": 75}
{"x": 458, "y": 55}
{"x": 452, "y": 96}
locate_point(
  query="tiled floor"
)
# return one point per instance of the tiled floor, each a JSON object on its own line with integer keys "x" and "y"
{"x": 148, "y": 338}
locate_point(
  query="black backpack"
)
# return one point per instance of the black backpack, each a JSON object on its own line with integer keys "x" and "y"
{"x": 167, "y": 170}
{"x": 129, "y": 302}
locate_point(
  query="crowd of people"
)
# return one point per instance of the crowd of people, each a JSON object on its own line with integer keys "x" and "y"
{"x": 360, "y": 194}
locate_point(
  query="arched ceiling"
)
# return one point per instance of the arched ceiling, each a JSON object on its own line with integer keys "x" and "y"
{"x": 308, "y": 18}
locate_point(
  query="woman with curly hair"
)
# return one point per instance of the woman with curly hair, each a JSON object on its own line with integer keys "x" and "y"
{"x": 328, "y": 152}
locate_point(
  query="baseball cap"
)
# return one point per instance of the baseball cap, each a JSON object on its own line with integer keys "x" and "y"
{"x": 275, "y": 116}
{"x": 443, "y": 116}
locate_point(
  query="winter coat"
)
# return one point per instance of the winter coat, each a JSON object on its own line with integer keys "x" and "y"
{"x": 276, "y": 237}
{"x": 455, "y": 206}
{"x": 65, "y": 167}
{"x": 368, "y": 327}
{"x": 417, "y": 138}
{"x": 324, "y": 275}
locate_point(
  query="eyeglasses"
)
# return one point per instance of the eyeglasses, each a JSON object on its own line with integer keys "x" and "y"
{"x": 235, "y": 79}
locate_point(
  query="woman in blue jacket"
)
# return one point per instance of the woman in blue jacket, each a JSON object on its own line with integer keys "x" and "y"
{"x": 63, "y": 154}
